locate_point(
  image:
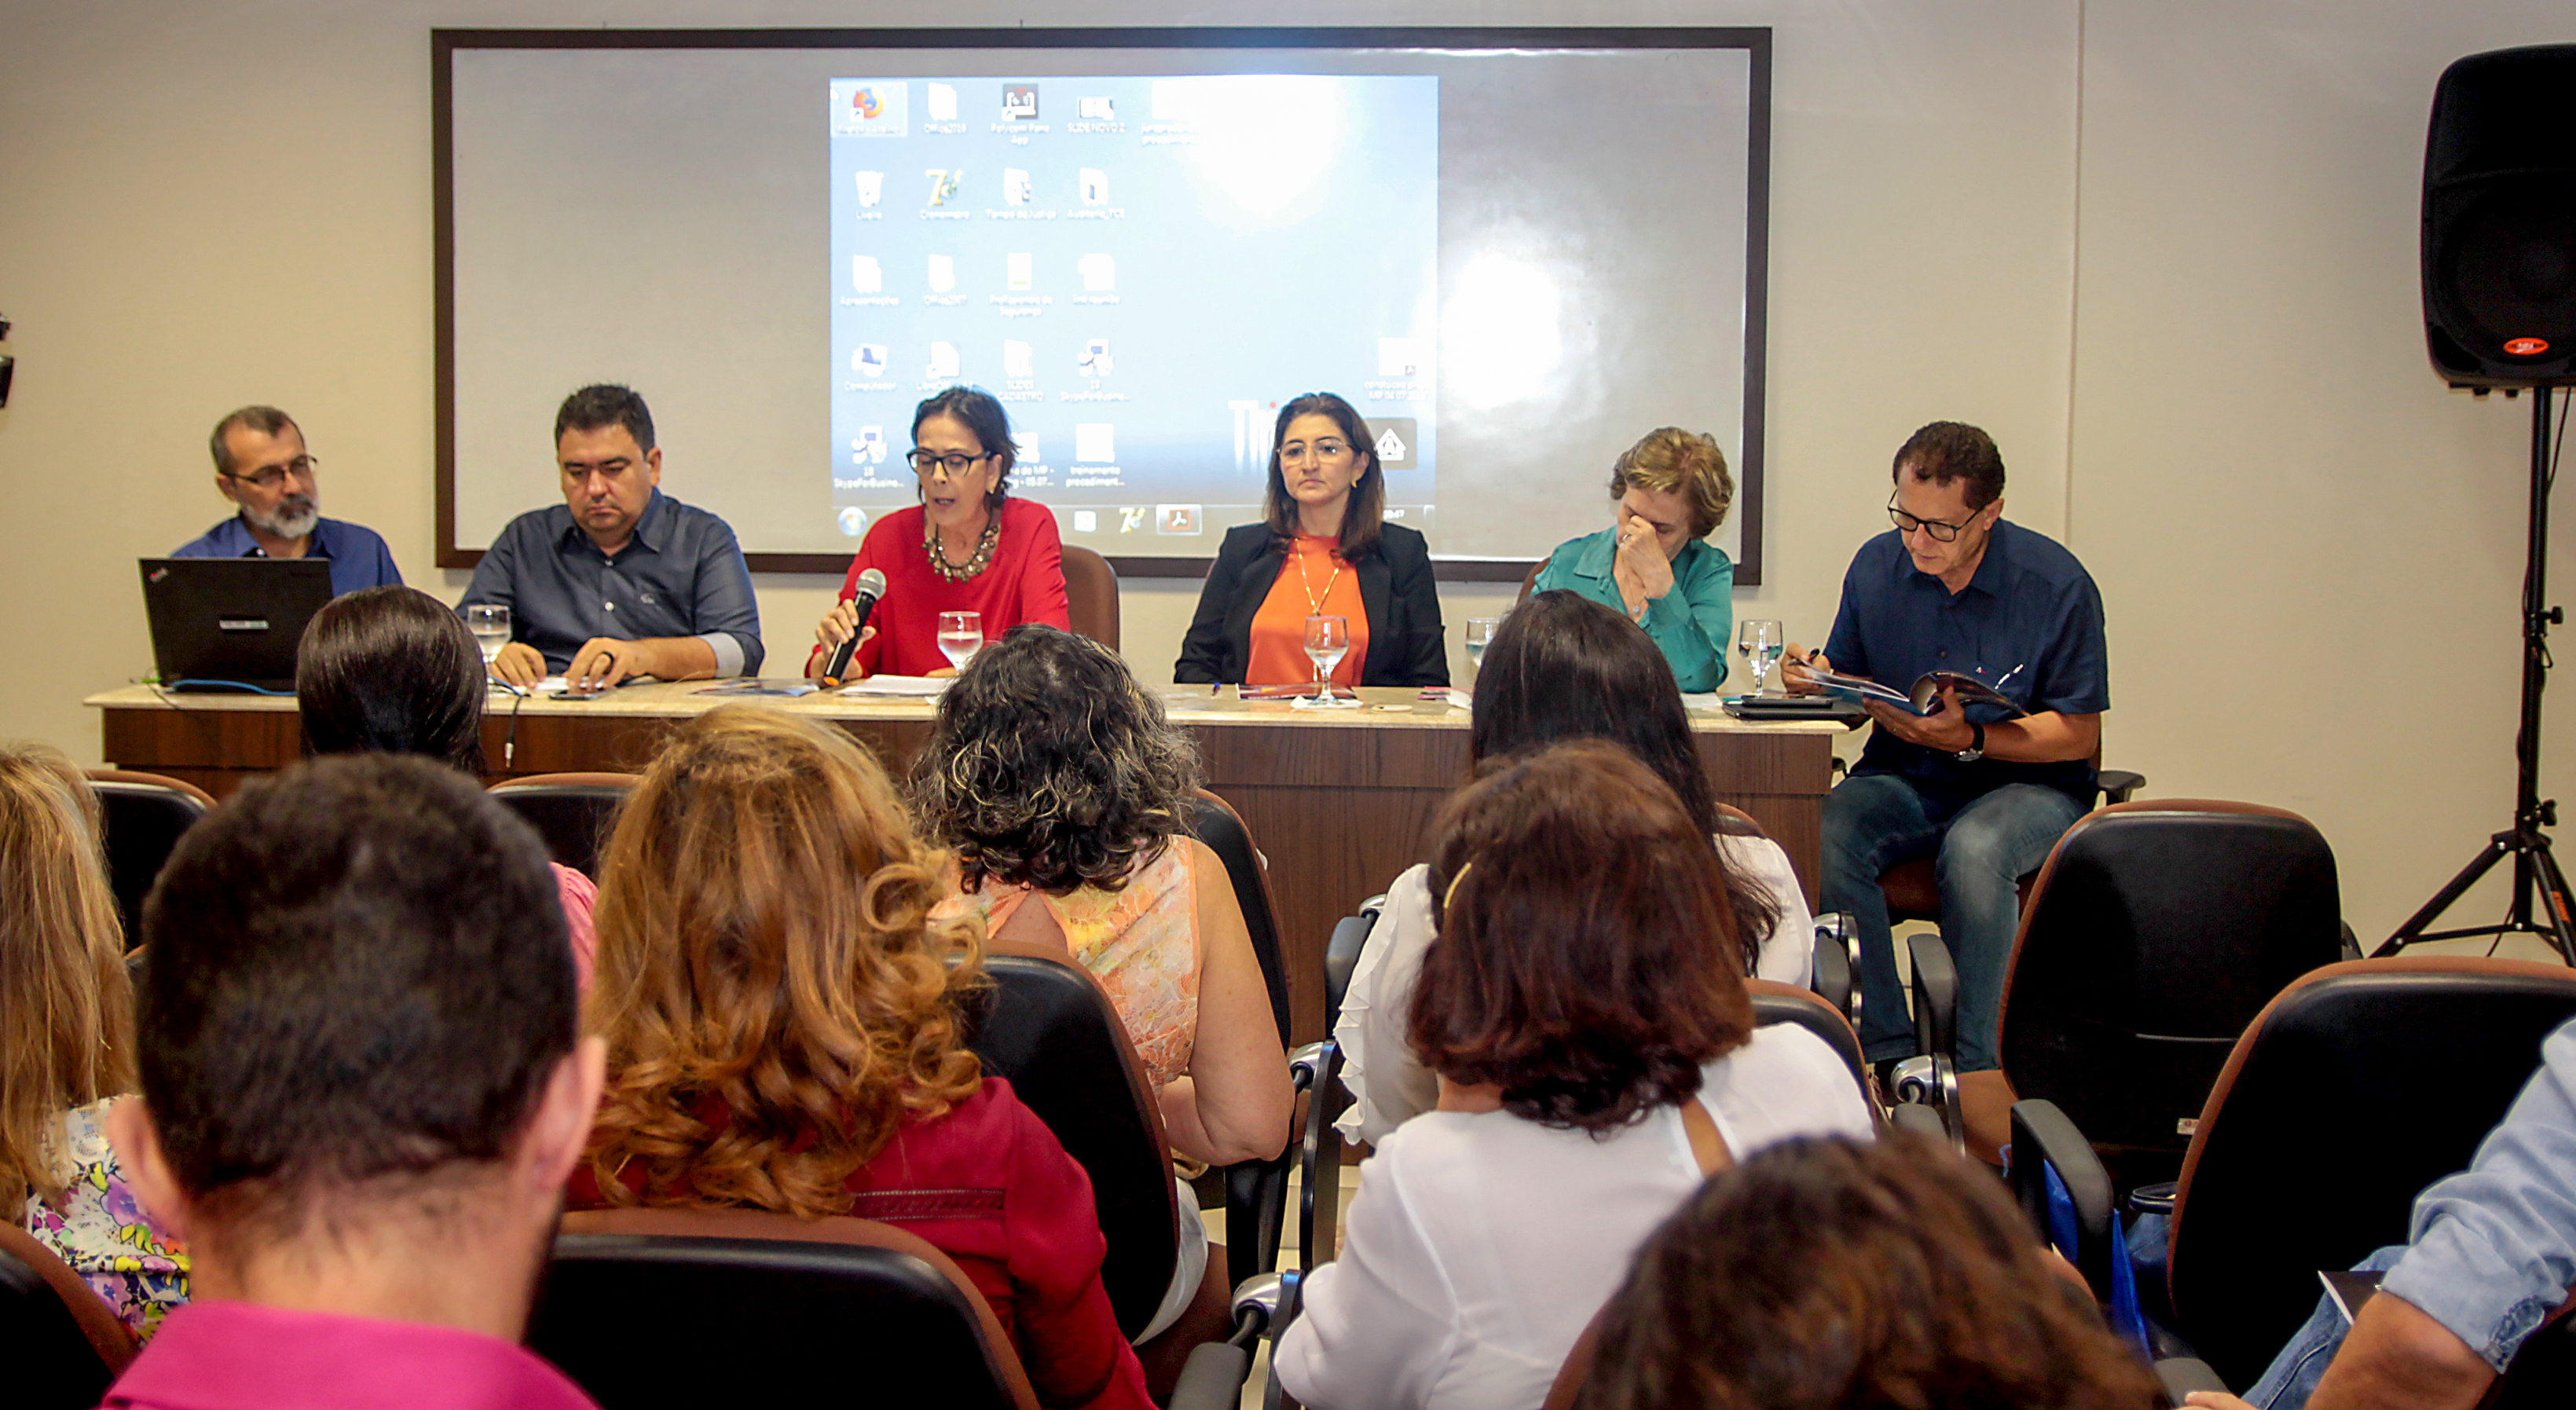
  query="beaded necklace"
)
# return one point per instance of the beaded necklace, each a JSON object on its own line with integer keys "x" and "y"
{"x": 975, "y": 563}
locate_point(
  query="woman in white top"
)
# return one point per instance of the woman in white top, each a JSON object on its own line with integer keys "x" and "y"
{"x": 1561, "y": 667}
{"x": 1585, "y": 1010}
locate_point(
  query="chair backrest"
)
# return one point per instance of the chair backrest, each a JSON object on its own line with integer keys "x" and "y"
{"x": 141, "y": 817}
{"x": 1047, "y": 1027}
{"x": 1091, "y": 595}
{"x": 2153, "y": 935}
{"x": 2358, "y": 1086}
{"x": 61, "y": 1343}
{"x": 572, "y": 812}
{"x": 1774, "y": 1002}
{"x": 662, "y": 1307}
{"x": 1214, "y": 821}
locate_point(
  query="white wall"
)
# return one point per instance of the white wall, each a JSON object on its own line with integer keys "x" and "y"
{"x": 2164, "y": 251}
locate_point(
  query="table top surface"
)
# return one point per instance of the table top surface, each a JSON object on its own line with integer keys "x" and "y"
{"x": 1379, "y": 707}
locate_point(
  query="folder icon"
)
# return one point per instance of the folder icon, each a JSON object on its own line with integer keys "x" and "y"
{"x": 865, "y": 276}
{"x": 1018, "y": 359}
{"x": 1099, "y": 273}
{"x": 943, "y": 102}
{"x": 1020, "y": 271}
{"x": 943, "y": 273}
{"x": 1095, "y": 186}
{"x": 871, "y": 187}
{"x": 1016, "y": 187}
{"x": 943, "y": 360}
{"x": 1095, "y": 442}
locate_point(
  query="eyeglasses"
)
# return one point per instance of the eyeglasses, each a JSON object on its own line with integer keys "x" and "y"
{"x": 275, "y": 475}
{"x": 1325, "y": 449}
{"x": 1941, "y": 532}
{"x": 923, "y": 462}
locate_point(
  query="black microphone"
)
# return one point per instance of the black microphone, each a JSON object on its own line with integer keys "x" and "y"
{"x": 871, "y": 586}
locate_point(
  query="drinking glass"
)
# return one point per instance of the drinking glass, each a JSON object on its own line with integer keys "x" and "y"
{"x": 490, "y": 624}
{"x": 961, "y": 635}
{"x": 1762, "y": 644}
{"x": 1480, "y": 634}
{"x": 1328, "y": 640}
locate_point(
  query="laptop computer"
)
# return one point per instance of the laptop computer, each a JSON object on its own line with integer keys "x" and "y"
{"x": 231, "y": 623}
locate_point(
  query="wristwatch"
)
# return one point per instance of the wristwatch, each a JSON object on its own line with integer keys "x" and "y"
{"x": 1976, "y": 745}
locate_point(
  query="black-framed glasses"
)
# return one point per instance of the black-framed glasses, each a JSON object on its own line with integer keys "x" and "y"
{"x": 954, "y": 462}
{"x": 1941, "y": 532}
{"x": 272, "y": 476}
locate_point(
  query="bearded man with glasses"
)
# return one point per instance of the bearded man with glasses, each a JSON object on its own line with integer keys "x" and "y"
{"x": 1983, "y": 791}
{"x": 262, "y": 467}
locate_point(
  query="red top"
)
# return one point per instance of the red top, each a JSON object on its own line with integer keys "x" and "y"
{"x": 214, "y": 1355}
{"x": 989, "y": 1186}
{"x": 1023, "y": 583}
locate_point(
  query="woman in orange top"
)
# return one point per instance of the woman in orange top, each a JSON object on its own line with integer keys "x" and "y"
{"x": 1323, "y": 549}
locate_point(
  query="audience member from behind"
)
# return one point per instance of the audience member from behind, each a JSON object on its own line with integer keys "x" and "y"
{"x": 1668, "y": 493}
{"x": 67, "y": 1043}
{"x": 389, "y": 670}
{"x": 1837, "y": 1275}
{"x": 780, "y": 1011}
{"x": 1586, "y": 1013}
{"x": 362, "y": 1093}
{"x": 1562, "y": 667}
{"x": 261, "y": 466}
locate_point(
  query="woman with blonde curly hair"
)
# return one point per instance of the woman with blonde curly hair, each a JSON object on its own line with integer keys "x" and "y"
{"x": 67, "y": 1042}
{"x": 1668, "y": 493}
{"x": 780, "y": 1009}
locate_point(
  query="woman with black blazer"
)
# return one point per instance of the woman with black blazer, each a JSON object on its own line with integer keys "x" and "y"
{"x": 1322, "y": 550}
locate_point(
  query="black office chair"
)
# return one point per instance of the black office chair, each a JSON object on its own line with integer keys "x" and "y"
{"x": 141, "y": 819}
{"x": 572, "y": 812}
{"x": 756, "y": 1293}
{"x": 2356, "y": 1087}
{"x": 63, "y": 1346}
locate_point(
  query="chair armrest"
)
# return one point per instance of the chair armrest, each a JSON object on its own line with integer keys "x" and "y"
{"x": 1341, "y": 957}
{"x": 1317, "y": 1067}
{"x": 1919, "y": 1119}
{"x": 1936, "y": 996}
{"x": 1834, "y": 967}
{"x": 2118, "y": 784}
{"x": 1212, "y": 1379}
{"x": 2184, "y": 1374}
{"x": 2042, "y": 1137}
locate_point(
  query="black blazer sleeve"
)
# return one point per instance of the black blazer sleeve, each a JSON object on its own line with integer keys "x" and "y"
{"x": 1218, "y": 644}
{"x": 1407, "y": 645}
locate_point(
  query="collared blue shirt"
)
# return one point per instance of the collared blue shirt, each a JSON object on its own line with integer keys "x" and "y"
{"x": 1692, "y": 623}
{"x": 2030, "y": 618}
{"x": 359, "y": 558}
{"x": 680, "y": 574}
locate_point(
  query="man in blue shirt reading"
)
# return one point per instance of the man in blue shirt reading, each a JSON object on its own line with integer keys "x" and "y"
{"x": 620, "y": 579}
{"x": 1983, "y": 791}
{"x": 262, "y": 467}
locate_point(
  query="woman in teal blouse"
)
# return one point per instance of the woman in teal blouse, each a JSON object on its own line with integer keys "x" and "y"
{"x": 1667, "y": 494}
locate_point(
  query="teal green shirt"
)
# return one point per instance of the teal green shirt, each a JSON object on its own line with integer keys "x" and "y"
{"x": 1693, "y": 623}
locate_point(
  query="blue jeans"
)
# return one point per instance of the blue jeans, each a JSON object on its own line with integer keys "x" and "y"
{"x": 1981, "y": 852}
{"x": 2293, "y": 1375}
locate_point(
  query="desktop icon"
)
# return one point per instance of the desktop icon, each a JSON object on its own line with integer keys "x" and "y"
{"x": 870, "y": 447}
{"x": 1099, "y": 273}
{"x": 943, "y": 102}
{"x": 1095, "y": 110}
{"x": 1398, "y": 357}
{"x": 1093, "y": 361}
{"x": 865, "y": 276}
{"x": 1018, "y": 359}
{"x": 1176, "y": 518}
{"x": 867, "y": 104}
{"x": 1095, "y": 186}
{"x": 944, "y": 182}
{"x": 1028, "y": 452}
{"x": 1016, "y": 187}
{"x": 1399, "y": 441}
{"x": 871, "y": 187}
{"x": 1095, "y": 442}
{"x": 1020, "y": 101}
{"x": 943, "y": 362}
{"x": 869, "y": 360}
{"x": 1086, "y": 521}
{"x": 1131, "y": 518}
{"x": 1019, "y": 271}
{"x": 854, "y": 520}
{"x": 943, "y": 273}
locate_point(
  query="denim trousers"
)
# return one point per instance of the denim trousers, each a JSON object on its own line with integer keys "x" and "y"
{"x": 1980, "y": 853}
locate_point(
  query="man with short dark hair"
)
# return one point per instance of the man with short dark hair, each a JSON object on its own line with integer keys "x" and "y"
{"x": 262, "y": 467}
{"x": 620, "y": 579}
{"x": 362, "y": 1094}
{"x": 1984, "y": 791}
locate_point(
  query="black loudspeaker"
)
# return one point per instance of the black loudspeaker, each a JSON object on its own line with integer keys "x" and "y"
{"x": 2500, "y": 219}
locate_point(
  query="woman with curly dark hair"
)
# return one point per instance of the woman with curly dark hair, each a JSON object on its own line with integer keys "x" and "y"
{"x": 1584, "y": 1007}
{"x": 779, "y": 1005}
{"x": 1833, "y": 1275}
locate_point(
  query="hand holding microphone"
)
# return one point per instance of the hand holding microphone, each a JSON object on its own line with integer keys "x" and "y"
{"x": 870, "y": 587}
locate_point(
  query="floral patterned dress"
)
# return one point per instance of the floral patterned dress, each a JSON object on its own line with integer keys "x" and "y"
{"x": 1141, "y": 942}
{"x": 100, "y": 1231}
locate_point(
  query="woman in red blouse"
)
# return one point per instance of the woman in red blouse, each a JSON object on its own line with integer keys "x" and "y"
{"x": 779, "y": 1007}
{"x": 970, "y": 547}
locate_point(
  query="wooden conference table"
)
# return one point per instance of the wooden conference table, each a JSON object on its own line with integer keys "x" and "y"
{"x": 1339, "y": 801}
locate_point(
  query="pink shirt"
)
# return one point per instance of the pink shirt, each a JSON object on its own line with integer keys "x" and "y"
{"x": 580, "y": 897}
{"x": 241, "y": 1356}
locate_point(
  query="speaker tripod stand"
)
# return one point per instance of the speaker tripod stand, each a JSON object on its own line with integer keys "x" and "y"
{"x": 2535, "y": 868}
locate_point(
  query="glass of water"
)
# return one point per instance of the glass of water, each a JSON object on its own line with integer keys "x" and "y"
{"x": 1480, "y": 634}
{"x": 490, "y": 623}
{"x": 961, "y": 635}
{"x": 1762, "y": 645}
{"x": 1328, "y": 640}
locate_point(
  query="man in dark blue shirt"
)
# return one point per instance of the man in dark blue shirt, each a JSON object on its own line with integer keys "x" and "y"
{"x": 620, "y": 579}
{"x": 1983, "y": 791}
{"x": 262, "y": 467}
